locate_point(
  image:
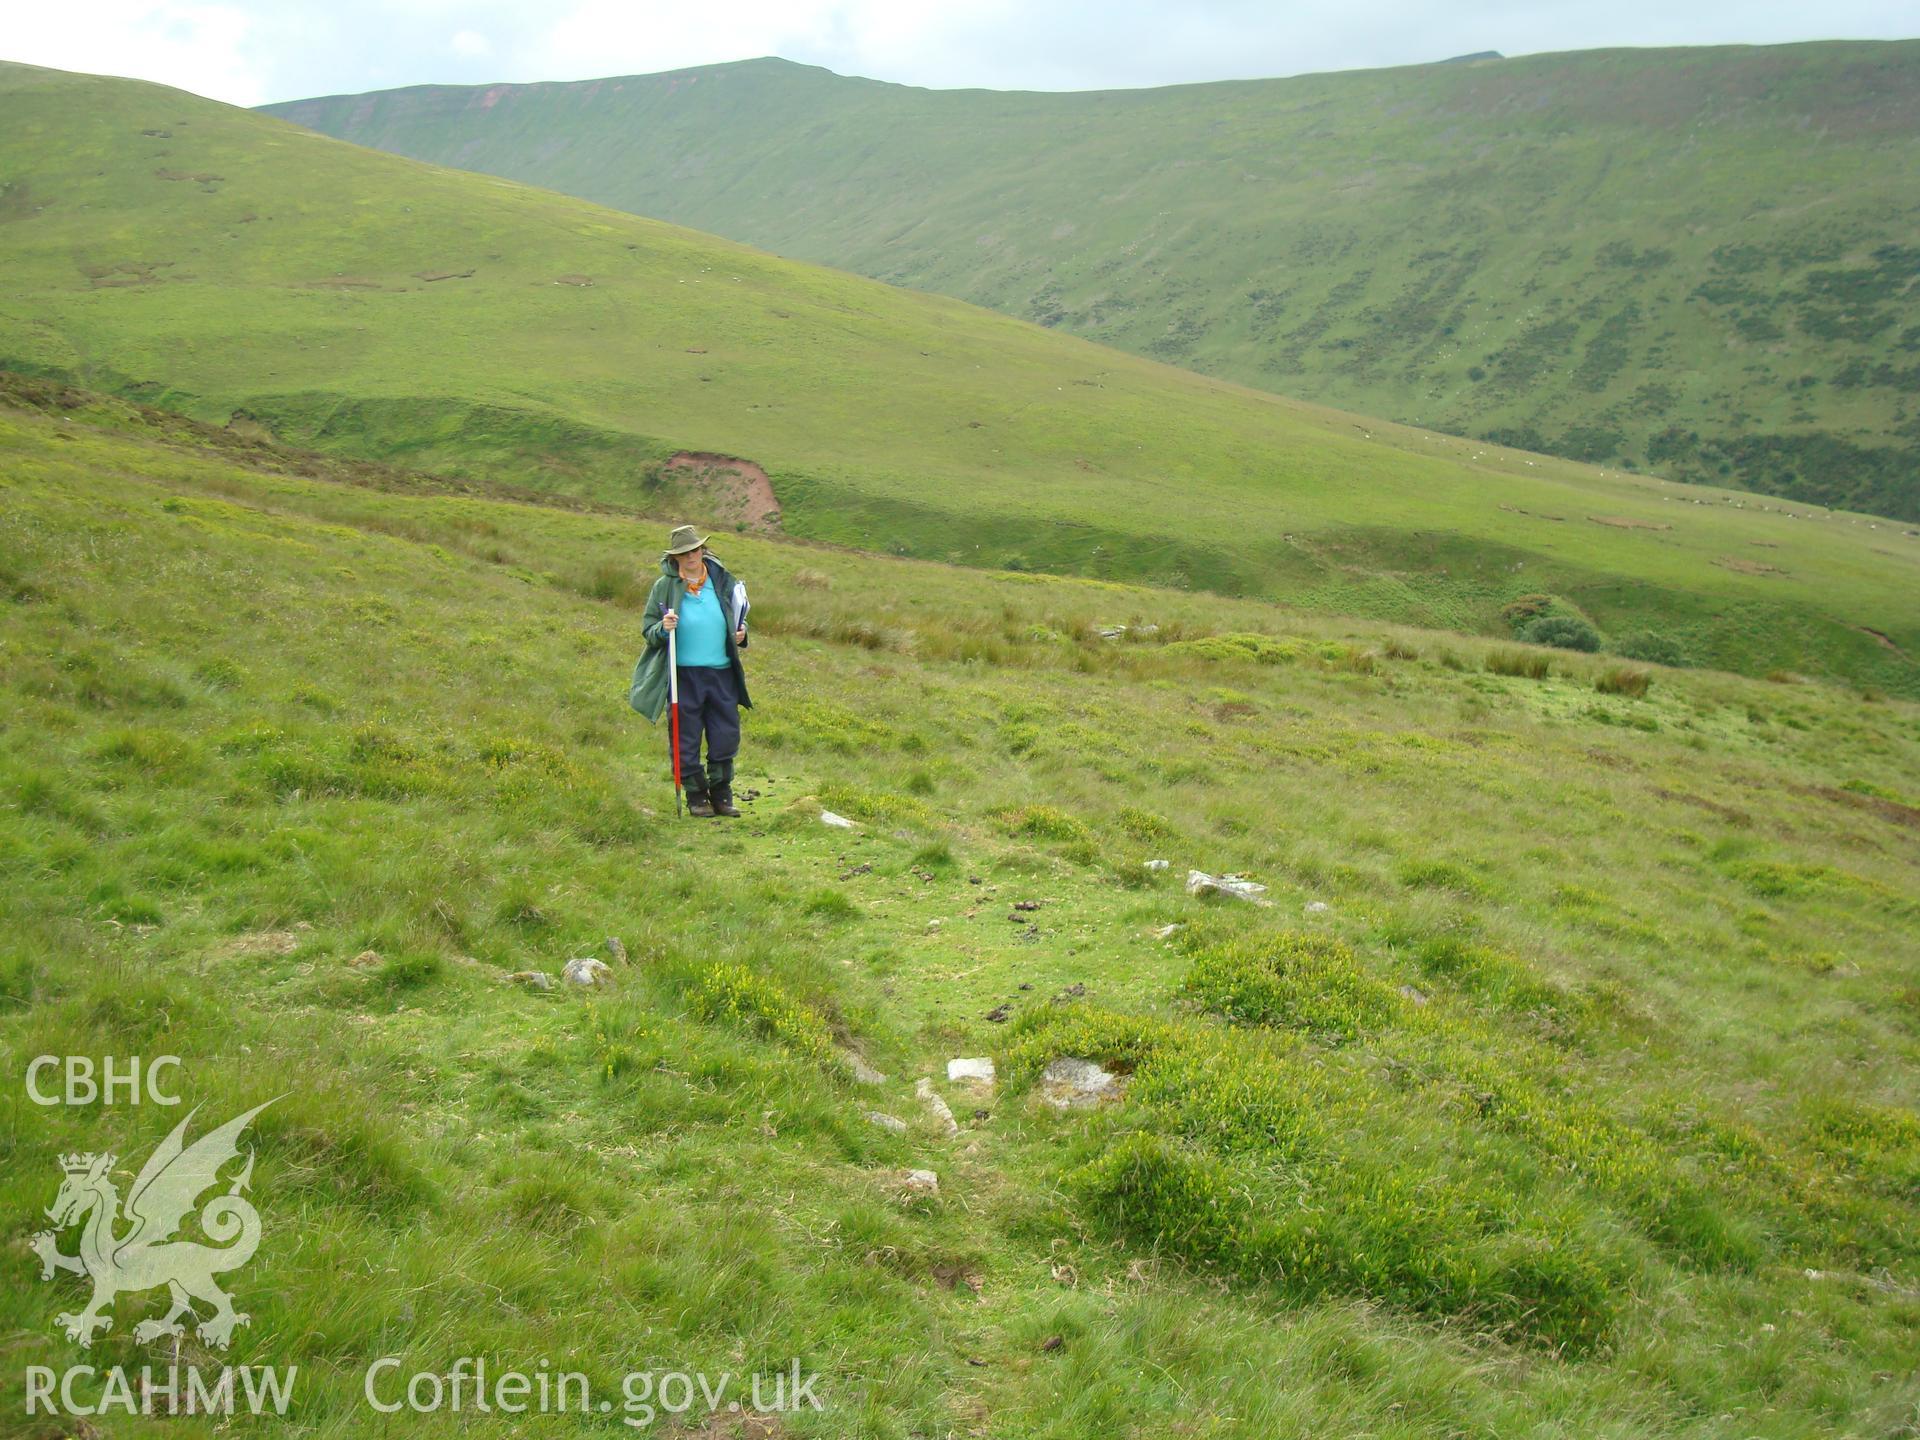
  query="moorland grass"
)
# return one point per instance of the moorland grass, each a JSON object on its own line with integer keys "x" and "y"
{"x": 1598, "y": 1063}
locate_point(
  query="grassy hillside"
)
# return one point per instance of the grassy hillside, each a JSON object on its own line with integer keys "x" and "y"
{"x": 1586, "y": 1106}
{"x": 1698, "y": 262}
{"x": 230, "y": 265}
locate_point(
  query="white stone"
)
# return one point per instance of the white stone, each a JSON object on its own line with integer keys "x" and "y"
{"x": 1069, "y": 1083}
{"x": 827, "y": 817}
{"x": 1318, "y": 907}
{"x": 1238, "y": 886}
{"x": 861, "y": 1070}
{"x": 981, "y": 1069}
{"x": 924, "y": 1181}
{"x": 888, "y": 1122}
{"x": 936, "y": 1107}
{"x": 1158, "y": 864}
{"x": 587, "y": 971}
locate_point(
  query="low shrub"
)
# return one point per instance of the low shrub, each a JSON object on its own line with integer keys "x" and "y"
{"x": 1653, "y": 648}
{"x": 1264, "y": 649}
{"x": 731, "y": 992}
{"x": 1145, "y": 826}
{"x": 1562, "y": 632}
{"x": 1308, "y": 982}
{"x": 1043, "y": 822}
{"x": 1527, "y": 608}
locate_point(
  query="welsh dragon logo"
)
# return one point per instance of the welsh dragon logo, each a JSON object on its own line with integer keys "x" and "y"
{"x": 146, "y": 1254}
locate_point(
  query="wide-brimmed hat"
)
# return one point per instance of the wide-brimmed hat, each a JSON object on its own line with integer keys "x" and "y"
{"x": 683, "y": 539}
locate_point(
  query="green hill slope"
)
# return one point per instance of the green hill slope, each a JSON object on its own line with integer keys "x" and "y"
{"x": 1586, "y": 1106}
{"x": 226, "y": 264}
{"x": 1700, "y": 262}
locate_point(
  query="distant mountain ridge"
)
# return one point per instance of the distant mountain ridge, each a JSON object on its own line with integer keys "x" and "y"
{"x": 1700, "y": 262}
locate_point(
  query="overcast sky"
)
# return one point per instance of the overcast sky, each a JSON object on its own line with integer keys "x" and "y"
{"x": 252, "y": 51}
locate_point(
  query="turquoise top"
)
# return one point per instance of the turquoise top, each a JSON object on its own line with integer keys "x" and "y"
{"x": 702, "y": 640}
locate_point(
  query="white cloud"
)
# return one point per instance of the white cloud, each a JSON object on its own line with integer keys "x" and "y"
{"x": 471, "y": 44}
{"x": 199, "y": 47}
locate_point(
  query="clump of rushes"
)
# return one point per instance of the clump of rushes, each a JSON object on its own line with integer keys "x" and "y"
{"x": 1623, "y": 680}
{"x": 1521, "y": 664}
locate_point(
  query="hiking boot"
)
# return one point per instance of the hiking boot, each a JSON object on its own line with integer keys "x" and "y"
{"x": 698, "y": 805}
{"x": 720, "y": 785}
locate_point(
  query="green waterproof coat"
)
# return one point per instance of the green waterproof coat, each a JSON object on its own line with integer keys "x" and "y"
{"x": 648, "y": 693}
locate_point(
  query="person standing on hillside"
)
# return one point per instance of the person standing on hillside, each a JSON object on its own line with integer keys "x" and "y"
{"x": 704, "y": 607}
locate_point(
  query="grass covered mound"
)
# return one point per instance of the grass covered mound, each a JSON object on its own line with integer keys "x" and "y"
{"x": 271, "y": 281}
{"x": 1586, "y": 1104}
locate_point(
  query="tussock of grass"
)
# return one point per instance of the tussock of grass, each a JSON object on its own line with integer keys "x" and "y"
{"x": 1522, "y": 664}
{"x": 1310, "y": 982}
{"x": 1623, "y": 681}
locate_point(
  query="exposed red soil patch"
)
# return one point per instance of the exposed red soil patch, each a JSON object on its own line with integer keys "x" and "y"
{"x": 732, "y": 489}
{"x": 1894, "y": 810}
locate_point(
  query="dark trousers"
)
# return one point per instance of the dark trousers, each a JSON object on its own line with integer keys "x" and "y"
{"x": 709, "y": 707}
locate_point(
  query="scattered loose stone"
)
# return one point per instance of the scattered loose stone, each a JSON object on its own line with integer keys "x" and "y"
{"x": 861, "y": 1071}
{"x": 839, "y": 822}
{"x": 887, "y": 1122}
{"x": 532, "y": 979}
{"x": 1028, "y": 905}
{"x": 1412, "y": 994}
{"x": 973, "y": 880}
{"x": 999, "y": 1014}
{"x": 1167, "y": 932}
{"x": 616, "y": 950}
{"x": 1026, "y": 985}
{"x": 861, "y": 869}
{"x": 1157, "y": 864}
{"x": 925, "y": 1182}
{"x": 1318, "y": 907}
{"x": 1072, "y": 992}
{"x": 936, "y": 1107}
{"x": 586, "y": 971}
{"x": 1070, "y": 1084}
{"x": 1238, "y": 886}
{"x": 365, "y": 959}
{"x": 980, "y": 1069}
{"x": 933, "y": 927}
{"x": 1052, "y": 1343}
